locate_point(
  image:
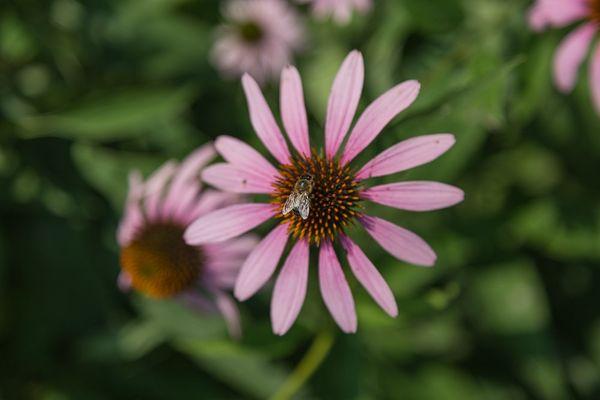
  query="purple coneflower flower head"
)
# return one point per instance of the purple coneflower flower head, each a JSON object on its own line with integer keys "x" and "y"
{"x": 339, "y": 10}
{"x": 330, "y": 186}
{"x": 573, "y": 50}
{"x": 155, "y": 259}
{"x": 259, "y": 37}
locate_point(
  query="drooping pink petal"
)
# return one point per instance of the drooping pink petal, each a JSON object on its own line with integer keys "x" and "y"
{"x": 178, "y": 208}
{"x": 188, "y": 171}
{"x": 570, "y": 54}
{"x": 536, "y": 17}
{"x": 227, "y": 223}
{"x": 415, "y": 196}
{"x": 293, "y": 110}
{"x": 261, "y": 263}
{"x": 407, "y": 154}
{"x": 399, "y": 242}
{"x": 230, "y": 178}
{"x": 343, "y": 100}
{"x": 377, "y": 116}
{"x": 263, "y": 121}
{"x": 335, "y": 290}
{"x": 290, "y": 289}
{"x": 595, "y": 77}
{"x": 230, "y": 313}
{"x": 368, "y": 276}
{"x": 240, "y": 154}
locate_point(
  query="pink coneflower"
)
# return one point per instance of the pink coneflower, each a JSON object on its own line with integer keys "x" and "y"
{"x": 334, "y": 190}
{"x": 339, "y": 10}
{"x": 574, "y": 48}
{"x": 156, "y": 261}
{"x": 258, "y": 38}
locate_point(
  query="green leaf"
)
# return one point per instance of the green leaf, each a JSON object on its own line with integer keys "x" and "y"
{"x": 113, "y": 116}
{"x": 107, "y": 170}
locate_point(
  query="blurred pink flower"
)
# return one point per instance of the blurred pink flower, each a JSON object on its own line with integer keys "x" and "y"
{"x": 339, "y": 10}
{"x": 155, "y": 259}
{"x": 574, "y": 48}
{"x": 259, "y": 37}
{"x": 335, "y": 200}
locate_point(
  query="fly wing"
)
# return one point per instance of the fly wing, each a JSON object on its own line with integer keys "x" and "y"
{"x": 304, "y": 205}
{"x": 292, "y": 202}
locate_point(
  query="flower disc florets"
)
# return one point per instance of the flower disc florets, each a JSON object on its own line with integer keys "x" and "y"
{"x": 334, "y": 199}
{"x": 159, "y": 261}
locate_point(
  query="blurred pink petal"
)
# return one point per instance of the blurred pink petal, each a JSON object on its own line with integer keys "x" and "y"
{"x": 263, "y": 121}
{"x": 377, "y": 116}
{"x": 335, "y": 290}
{"x": 407, "y": 154}
{"x": 570, "y": 55}
{"x": 415, "y": 196}
{"x": 556, "y": 13}
{"x": 261, "y": 263}
{"x": 210, "y": 201}
{"x": 154, "y": 188}
{"x": 240, "y": 154}
{"x": 133, "y": 217}
{"x": 290, "y": 289}
{"x": 124, "y": 281}
{"x": 230, "y": 312}
{"x": 227, "y": 223}
{"x": 293, "y": 111}
{"x": 343, "y": 100}
{"x": 399, "y": 242}
{"x": 188, "y": 172}
{"x": 339, "y": 10}
{"x": 368, "y": 276}
{"x": 258, "y": 37}
{"x": 595, "y": 77}
{"x": 231, "y": 178}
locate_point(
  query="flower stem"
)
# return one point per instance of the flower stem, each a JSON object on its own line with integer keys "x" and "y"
{"x": 306, "y": 367}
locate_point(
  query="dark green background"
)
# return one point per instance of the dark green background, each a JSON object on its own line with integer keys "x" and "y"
{"x": 90, "y": 89}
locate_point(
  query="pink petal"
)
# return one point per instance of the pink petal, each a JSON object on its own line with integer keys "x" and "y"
{"x": 263, "y": 121}
{"x": 335, "y": 290}
{"x": 557, "y": 13}
{"x": 132, "y": 214}
{"x": 211, "y": 200}
{"x": 290, "y": 289}
{"x": 378, "y": 115}
{"x": 230, "y": 178}
{"x": 293, "y": 111}
{"x": 368, "y": 276}
{"x": 188, "y": 171}
{"x": 407, "y": 154}
{"x": 155, "y": 189}
{"x": 595, "y": 78}
{"x": 570, "y": 55}
{"x": 343, "y": 100}
{"x": 227, "y": 223}
{"x": 399, "y": 242}
{"x": 124, "y": 282}
{"x": 415, "y": 196}
{"x": 234, "y": 248}
{"x": 230, "y": 313}
{"x": 242, "y": 155}
{"x": 261, "y": 263}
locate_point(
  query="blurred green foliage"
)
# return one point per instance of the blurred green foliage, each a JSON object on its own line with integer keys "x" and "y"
{"x": 92, "y": 88}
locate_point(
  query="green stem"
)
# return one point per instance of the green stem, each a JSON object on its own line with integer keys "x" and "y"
{"x": 306, "y": 367}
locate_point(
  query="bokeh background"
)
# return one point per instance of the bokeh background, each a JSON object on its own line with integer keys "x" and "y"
{"x": 92, "y": 88}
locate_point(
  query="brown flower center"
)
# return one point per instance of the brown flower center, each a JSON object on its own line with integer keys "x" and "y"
{"x": 159, "y": 262}
{"x": 594, "y": 6}
{"x": 332, "y": 191}
{"x": 251, "y": 32}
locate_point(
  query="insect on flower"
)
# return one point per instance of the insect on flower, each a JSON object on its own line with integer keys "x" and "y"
{"x": 299, "y": 199}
